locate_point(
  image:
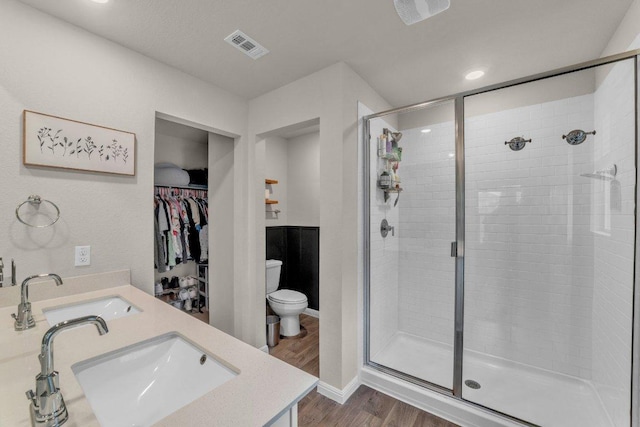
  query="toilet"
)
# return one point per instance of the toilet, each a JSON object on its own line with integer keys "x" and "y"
{"x": 285, "y": 303}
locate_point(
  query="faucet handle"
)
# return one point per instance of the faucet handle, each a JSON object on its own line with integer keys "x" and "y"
{"x": 32, "y": 397}
{"x": 14, "y": 316}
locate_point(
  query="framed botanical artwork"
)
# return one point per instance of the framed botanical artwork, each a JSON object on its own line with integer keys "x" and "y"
{"x": 69, "y": 144}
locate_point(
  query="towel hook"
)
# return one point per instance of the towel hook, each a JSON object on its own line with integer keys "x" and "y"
{"x": 35, "y": 201}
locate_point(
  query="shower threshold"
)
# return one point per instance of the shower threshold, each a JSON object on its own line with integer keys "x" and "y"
{"x": 536, "y": 395}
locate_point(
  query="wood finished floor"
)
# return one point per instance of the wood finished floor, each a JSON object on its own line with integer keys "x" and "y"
{"x": 366, "y": 407}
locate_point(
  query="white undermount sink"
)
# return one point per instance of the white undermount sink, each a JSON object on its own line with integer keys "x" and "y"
{"x": 143, "y": 383}
{"x": 108, "y": 308}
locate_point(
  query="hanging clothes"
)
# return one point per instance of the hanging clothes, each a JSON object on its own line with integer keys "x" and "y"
{"x": 179, "y": 227}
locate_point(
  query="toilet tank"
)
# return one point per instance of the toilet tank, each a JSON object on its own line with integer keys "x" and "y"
{"x": 273, "y": 275}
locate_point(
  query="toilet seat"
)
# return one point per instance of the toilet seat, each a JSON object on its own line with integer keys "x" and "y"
{"x": 287, "y": 296}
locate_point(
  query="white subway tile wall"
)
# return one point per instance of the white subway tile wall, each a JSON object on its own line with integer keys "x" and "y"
{"x": 383, "y": 254}
{"x": 427, "y": 228}
{"x": 614, "y": 231}
{"x": 549, "y": 257}
{"x": 529, "y": 248}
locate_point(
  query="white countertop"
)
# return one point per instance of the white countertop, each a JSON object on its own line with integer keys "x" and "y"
{"x": 264, "y": 389}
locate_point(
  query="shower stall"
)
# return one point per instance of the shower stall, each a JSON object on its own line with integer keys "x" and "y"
{"x": 499, "y": 249}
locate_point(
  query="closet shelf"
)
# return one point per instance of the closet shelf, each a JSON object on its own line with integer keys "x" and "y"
{"x": 270, "y": 202}
{"x": 270, "y": 181}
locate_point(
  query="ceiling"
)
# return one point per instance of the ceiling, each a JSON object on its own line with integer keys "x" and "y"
{"x": 404, "y": 64}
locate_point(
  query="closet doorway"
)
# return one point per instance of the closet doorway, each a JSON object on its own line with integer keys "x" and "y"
{"x": 193, "y": 202}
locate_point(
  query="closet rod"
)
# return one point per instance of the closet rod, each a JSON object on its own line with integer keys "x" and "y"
{"x": 185, "y": 187}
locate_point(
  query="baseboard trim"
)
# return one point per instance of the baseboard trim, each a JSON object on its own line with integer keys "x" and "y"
{"x": 264, "y": 348}
{"x": 337, "y": 395}
{"x": 311, "y": 312}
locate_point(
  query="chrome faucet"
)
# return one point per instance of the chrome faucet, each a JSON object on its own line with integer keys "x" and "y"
{"x": 47, "y": 405}
{"x": 24, "y": 318}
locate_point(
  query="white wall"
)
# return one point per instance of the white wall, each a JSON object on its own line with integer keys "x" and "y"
{"x": 53, "y": 67}
{"x": 610, "y": 373}
{"x": 384, "y": 256}
{"x": 548, "y": 277}
{"x": 178, "y": 144}
{"x": 183, "y": 152}
{"x": 295, "y": 163}
{"x": 303, "y": 180}
{"x": 614, "y": 240}
{"x": 626, "y": 36}
{"x": 276, "y": 166}
{"x": 330, "y": 95}
{"x": 426, "y": 229}
{"x": 529, "y": 248}
{"x": 222, "y": 195}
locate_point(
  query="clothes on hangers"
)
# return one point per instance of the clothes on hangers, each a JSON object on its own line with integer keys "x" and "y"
{"x": 180, "y": 219}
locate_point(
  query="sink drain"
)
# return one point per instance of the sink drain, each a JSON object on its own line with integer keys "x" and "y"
{"x": 472, "y": 384}
{"x": 203, "y": 359}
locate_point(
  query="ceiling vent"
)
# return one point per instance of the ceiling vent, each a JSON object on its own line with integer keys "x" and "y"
{"x": 246, "y": 44}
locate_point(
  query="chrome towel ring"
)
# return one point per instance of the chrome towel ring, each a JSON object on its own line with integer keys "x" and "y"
{"x": 35, "y": 201}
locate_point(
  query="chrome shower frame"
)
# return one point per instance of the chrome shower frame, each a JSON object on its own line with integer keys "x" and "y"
{"x": 458, "y": 101}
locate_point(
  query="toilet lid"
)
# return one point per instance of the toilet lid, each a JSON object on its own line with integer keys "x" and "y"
{"x": 287, "y": 295}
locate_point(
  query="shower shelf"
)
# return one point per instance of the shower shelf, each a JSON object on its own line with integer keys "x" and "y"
{"x": 268, "y": 201}
{"x": 390, "y": 156}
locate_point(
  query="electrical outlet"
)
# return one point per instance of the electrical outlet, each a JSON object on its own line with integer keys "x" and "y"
{"x": 83, "y": 255}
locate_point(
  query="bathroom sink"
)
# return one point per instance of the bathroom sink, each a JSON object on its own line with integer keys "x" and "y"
{"x": 143, "y": 383}
{"x": 108, "y": 308}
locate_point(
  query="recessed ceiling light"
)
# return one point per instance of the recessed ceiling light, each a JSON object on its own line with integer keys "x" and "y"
{"x": 425, "y": 130}
{"x": 100, "y": 1}
{"x": 474, "y": 75}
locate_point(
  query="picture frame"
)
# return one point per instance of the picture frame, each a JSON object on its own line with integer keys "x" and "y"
{"x": 57, "y": 142}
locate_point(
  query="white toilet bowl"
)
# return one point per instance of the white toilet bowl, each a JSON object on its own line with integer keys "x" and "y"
{"x": 288, "y": 305}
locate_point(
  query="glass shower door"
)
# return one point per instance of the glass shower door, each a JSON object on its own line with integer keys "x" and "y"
{"x": 412, "y": 224}
{"x": 549, "y": 248}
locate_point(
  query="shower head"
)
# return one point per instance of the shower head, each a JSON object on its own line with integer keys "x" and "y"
{"x": 412, "y": 11}
{"x": 608, "y": 174}
{"x": 577, "y": 136}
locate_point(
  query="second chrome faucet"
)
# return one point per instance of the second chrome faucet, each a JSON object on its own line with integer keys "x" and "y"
{"x": 24, "y": 317}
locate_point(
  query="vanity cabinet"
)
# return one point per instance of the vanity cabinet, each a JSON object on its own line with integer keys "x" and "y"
{"x": 253, "y": 369}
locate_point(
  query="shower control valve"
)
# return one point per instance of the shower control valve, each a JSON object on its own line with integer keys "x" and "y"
{"x": 385, "y": 228}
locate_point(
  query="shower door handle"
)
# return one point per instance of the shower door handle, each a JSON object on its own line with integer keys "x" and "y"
{"x": 454, "y": 249}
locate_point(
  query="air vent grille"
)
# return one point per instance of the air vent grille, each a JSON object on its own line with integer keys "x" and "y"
{"x": 246, "y": 44}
